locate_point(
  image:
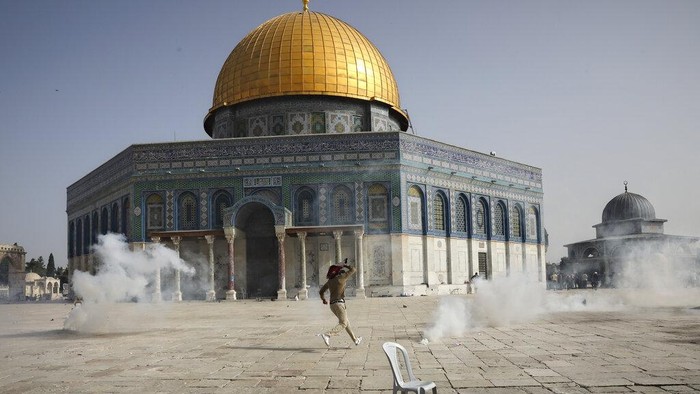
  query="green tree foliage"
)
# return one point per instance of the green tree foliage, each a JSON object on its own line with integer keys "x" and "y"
{"x": 51, "y": 267}
{"x": 36, "y": 265}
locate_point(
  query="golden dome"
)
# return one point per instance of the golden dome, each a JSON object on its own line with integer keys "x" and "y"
{"x": 305, "y": 53}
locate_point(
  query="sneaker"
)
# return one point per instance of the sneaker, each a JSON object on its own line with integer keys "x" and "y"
{"x": 358, "y": 341}
{"x": 326, "y": 339}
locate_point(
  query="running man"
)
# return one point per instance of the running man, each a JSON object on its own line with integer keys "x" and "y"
{"x": 337, "y": 279}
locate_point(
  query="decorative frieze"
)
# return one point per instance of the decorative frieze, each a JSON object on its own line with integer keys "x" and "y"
{"x": 262, "y": 181}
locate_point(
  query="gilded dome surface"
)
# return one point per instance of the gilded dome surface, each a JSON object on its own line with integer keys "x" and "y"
{"x": 305, "y": 53}
{"x": 628, "y": 206}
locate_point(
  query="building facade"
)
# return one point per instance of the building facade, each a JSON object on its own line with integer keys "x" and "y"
{"x": 309, "y": 162}
{"x": 12, "y": 264}
{"x": 631, "y": 249}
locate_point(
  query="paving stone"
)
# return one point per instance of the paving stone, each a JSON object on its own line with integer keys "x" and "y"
{"x": 271, "y": 347}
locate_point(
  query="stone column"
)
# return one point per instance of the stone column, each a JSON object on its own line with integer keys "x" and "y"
{"x": 156, "y": 297}
{"x": 230, "y": 233}
{"x": 211, "y": 294}
{"x": 281, "y": 235}
{"x": 304, "y": 292}
{"x": 177, "y": 294}
{"x": 338, "y": 252}
{"x": 359, "y": 259}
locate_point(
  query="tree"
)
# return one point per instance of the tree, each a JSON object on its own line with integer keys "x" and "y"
{"x": 36, "y": 266}
{"x": 51, "y": 267}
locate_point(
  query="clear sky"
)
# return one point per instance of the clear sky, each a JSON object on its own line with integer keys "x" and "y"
{"x": 593, "y": 92}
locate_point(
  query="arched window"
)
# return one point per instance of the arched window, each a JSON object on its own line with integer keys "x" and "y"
{"x": 480, "y": 217}
{"x": 104, "y": 221}
{"x": 187, "y": 213}
{"x": 222, "y": 200}
{"x": 342, "y": 206}
{"x": 55, "y": 287}
{"x": 377, "y": 198}
{"x": 154, "y": 207}
{"x": 114, "y": 219}
{"x": 461, "y": 209}
{"x": 71, "y": 239}
{"x": 86, "y": 234}
{"x": 515, "y": 220}
{"x": 499, "y": 220}
{"x": 95, "y": 227}
{"x": 305, "y": 207}
{"x": 415, "y": 208}
{"x": 591, "y": 253}
{"x": 439, "y": 212}
{"x": 533, "y": 222}
{"x": 126, "y": 217}
{"x": 79, "y": 237}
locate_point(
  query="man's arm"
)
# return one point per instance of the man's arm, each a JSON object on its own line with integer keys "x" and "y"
{"x": 322, "y": 291}
{"x": 348, "y": 273}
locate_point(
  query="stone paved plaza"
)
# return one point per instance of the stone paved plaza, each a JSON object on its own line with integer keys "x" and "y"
{"x": 271, "y": 347}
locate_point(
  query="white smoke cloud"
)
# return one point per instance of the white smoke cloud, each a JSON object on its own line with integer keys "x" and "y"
{"x": 122, "y": 275}
{"x": 647, "y": 278}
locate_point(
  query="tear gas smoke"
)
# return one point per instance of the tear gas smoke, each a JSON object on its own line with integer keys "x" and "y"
{"x": 650, "y": 276}
{"x": 122, "y": 275}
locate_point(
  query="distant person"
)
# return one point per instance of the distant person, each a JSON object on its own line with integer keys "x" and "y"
{"x": 595, "y": 280}
{"x": 338, "y": 276}
{"x": 472, "y": 282}
{"x": 571, "y": 281}
{"x": 584, "y": 281}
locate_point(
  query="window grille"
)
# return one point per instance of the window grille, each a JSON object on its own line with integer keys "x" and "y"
{"x": 515, "y": 222}
{"x": 188, "y": 212}
{"x": 439, "y": 212}
{"x": 221, "y": 202}
{"x": 342, "y": 212}
{"x": 461, "y": 215}
{"x": 499, "y": 220}
{"x": 532, "y": 229}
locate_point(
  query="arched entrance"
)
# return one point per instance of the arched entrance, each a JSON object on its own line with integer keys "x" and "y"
{"x": 12, "y": 265}
{"x": 257, "y": 222}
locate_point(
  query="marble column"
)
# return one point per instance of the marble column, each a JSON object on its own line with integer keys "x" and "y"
{"x": 211, "y": 294}
{"x": 230, "y": 237}
{"x": 177, "y": 294}
{"x": 156, "y": 297}
{"x": 281, "y": 235}
{"x": 337, "y": 235}
{"x": 304, "y": 292}
{"x": 359, "y": 261}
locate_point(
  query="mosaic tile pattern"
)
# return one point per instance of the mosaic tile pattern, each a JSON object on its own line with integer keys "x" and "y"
{"x": 206, "y": 166}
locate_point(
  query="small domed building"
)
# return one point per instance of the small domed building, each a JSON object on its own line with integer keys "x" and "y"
{"x": 631, "y": 238}
{"x": 37, "y": 287}
{"x": 309, "y": 163}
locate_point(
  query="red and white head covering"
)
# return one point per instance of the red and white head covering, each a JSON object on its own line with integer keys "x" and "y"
{"x": 333, "y": 271}
{"x": 336, "y": 269}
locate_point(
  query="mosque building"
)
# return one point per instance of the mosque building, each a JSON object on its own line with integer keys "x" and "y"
{"x": 310, "y": 162}
{"x": 630, "y": 243}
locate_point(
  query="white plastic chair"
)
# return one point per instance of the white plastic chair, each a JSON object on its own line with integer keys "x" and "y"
{"x": 413, "y": 384}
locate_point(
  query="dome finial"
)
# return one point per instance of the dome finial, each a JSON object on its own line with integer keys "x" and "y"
{"x": 625, "y": 182}
{"x": 306, "y": 5}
